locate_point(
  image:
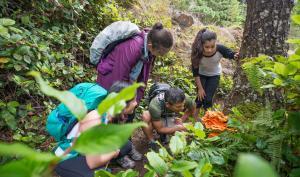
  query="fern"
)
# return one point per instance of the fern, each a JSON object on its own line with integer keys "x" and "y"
{"x": 264, "y": 117}
{"x": 213, "y": 154}
{"x": 274, "y": 149}
{"x": 254, "y": 76}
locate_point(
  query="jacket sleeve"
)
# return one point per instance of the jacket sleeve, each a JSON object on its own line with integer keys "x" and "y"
{"x": 226, "y": 52}
{"x": 195, "y": 72}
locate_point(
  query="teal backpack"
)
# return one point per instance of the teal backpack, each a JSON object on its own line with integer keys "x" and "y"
{"x": 61, "y": 120}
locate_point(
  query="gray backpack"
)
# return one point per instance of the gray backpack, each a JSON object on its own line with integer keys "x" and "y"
{"x": 110, "y": 37}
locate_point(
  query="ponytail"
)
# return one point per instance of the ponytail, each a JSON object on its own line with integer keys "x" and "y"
{"x": 160, "y": 37}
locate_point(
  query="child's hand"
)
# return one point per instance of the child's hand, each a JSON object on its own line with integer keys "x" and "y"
{"x": 236, "y": 55}
{"x": 181, "y": 127}
{"x": 178, "y": 121}
{"x": 201, "y": 94}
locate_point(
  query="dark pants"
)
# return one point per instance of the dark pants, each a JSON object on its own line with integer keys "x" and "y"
{"x": 77, "y": 166}
{"x": 209, "y": 84}
{"x": 130, "y": 117}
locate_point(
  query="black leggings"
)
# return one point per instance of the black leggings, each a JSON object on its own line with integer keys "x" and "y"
{"x": 209, "y": 84}
{"x": 77, "y": 166}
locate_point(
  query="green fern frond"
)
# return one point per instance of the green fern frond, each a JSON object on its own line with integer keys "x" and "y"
{"x": 264, "y": 117}
{"x": 254, "y": 76}
{"x": 207, "y": 153}
{"x": 274, "y": 149}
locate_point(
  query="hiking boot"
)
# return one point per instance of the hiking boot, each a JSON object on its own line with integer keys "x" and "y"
{"x": 153, "y": 146}
{"x": 125, "y": 162}
{"x": 164, "y": 138}
{"x": 135, "y": 155}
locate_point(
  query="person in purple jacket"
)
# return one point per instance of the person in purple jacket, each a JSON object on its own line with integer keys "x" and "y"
{"x": 133, "y": 59}
{"x": 118, "y": 64}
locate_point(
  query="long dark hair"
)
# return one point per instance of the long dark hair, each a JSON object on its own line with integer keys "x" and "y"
{"x": 160, "y": 37}
{"x": 197, "y": 47}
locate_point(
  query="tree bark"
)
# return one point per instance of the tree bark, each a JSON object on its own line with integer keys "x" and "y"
{"x": 265, "y": 32}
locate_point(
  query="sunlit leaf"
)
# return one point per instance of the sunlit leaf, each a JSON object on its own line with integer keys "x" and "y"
{"x": 297, "y": 78}
{"x": 7, "y": 22}
{"x": 127, "y": 173}
{"x": 25, "y": 168}
{"x": 17, "y": 149}
{"x": 113, "y": 99}
{"x": 177, "y": 144}
{"x": 4, "y": 60}
{"x": 104, "y": 138}
{"x": 296, "y": 19}
{"x": 4, "y": 32}
{"x": 277, "y": 81}
{"x": 281, "y": 69}
{"x": 75, "y": 105}
{"x": 158, "y": 164}
{"x": 103, "y": 173}
{"x": 150, "y": 173}
{"x": 249, "y": 165}
{"x": 183, "y": 165}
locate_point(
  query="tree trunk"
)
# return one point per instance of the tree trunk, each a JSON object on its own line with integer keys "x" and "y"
{"x": 265, "y": 32}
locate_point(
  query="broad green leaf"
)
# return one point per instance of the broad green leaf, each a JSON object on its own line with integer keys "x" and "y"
{"x": 296, "y": 64}
{"x": 13, "y": 104}
{"x": 164, "y": 153}
{"x": 4, "y": 60}
{"x": 27, "y": 59}
{"x": 16, "y": 30}
{"x": 9, "y": 119}
{"x": 249, "y": 165}
{"x": 158, "y": 164}
{"x": 4, "y": 32}
{"x": 150, "y": 173}
{"x": 293, "y": 41}
{"x": 200, "y": 133}
{"x": 277, "y": 81}
{"x": 25, "y": 168}
{"x": 183, "y": 165}
{"x": 189, "y": 126}
{"x": 105, "y": 138}
{"x": 281, "y": 69}
{"x": 291, "y": 95}
{"x": 199, "y": 126}
{"x": 127, "y": 173}
{"x": 294, "y": 57}
{"x": 293, "y": 121}
{"x": 203, "y": 168}
{"x": 297, "y": 78}
{"x": 291, "y": 69}
{"x": 206, "y": 169}
{"x": 17, "y": 56}
{"x": 177, "y": 145}
{"x": 113, "y": 99}
{"x": 103, "y": 173}
{"x": 297, "y": 51}
{"x": 24, "y": 151}
{"x": 18, "y": 67}
{"x": 75, "y": 105}
{"x": 23, "y": 50}
{"x": 7, "y": 22}
{"x": 296, "y": 19}
{"x": 217, "y": 159}
{"x": 187, "y": 173}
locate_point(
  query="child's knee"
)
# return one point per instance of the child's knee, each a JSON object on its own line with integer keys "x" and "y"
{"x": 146, "y": 116}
